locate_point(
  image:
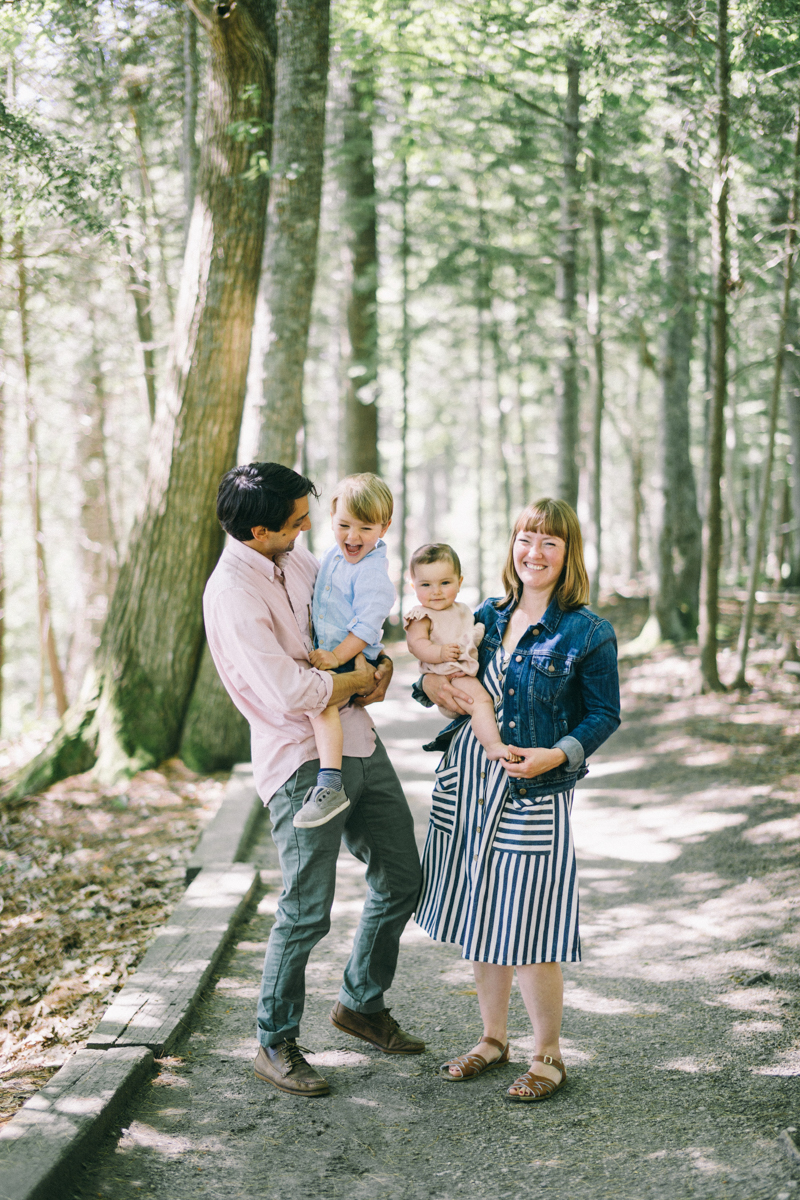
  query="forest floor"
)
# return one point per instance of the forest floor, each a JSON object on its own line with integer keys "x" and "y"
{"x": 681, "y": 1031}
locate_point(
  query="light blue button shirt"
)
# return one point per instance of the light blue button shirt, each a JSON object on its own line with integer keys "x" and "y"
{"x": 352, "y": 598}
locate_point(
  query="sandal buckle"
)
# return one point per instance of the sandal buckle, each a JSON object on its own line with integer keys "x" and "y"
{"x": 547, "y": 1059}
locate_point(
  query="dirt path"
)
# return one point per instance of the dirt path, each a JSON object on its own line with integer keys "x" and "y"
{"x": 681, "y": 1023}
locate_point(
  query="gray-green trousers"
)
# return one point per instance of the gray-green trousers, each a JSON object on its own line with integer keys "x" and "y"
{"x": 378, "y": 829}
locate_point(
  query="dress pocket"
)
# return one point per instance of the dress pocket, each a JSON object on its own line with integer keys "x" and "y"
{"x": 526, "y": 828}
{"x": 444, "y": 799}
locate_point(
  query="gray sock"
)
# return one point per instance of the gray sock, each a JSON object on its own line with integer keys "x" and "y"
{"x": 327, "y": 777}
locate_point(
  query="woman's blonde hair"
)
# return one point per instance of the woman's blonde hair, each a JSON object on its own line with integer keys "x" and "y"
{"x": 557, "y": 518}
{"x": 366, "y": 496}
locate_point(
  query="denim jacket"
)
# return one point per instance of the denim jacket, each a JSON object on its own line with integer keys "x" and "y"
{"x": 561, "y": 689}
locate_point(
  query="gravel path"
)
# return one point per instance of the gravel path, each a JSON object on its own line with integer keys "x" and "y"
{"x": 680, "y": 1026}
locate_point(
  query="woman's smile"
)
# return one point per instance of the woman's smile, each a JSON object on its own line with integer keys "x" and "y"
{"x": 539, "y": 558}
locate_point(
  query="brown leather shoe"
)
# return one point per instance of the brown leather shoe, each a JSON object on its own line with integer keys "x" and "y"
{"x": 285, "y": 1068}
{"x": 379, "y": 1029}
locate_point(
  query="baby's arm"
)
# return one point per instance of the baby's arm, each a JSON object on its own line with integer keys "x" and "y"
{"x": 421, "y": 646}
{"x": 484, "y": 723}
{"x": 329, "y": 660}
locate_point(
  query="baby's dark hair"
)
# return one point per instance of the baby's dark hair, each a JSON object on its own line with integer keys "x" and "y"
{"x": 434, "y": 552}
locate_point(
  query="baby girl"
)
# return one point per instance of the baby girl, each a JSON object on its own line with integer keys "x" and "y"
{"x": 443, "y": 635}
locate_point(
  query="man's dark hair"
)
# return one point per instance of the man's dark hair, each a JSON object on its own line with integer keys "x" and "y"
{"x": 261, "y": 493}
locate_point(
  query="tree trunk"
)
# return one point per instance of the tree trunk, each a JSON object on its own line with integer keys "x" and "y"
{"x": 135, "y": 699}
{"x": 360, "y": 216}
{"x": 190, "y": 155}
{"x": 595, "y": 330}
{"x": 148, "y": 205}
{"x": 215, "y": 734}
{"x": 290, "y": 254}
{"x": 47, "y": 642}
{"x": 766, "y": 484}
{"x": 405, "y": 356}
{"x": 568, "y": 430}
{"x": 793, "y": 421}
{"x": 712, "y": 526}
{"x": 139, "y": 288}
{"x": 679, "y": 544}
{"x": 3, "y": 358}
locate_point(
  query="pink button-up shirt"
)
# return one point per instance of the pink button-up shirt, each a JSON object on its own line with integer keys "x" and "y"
{"x": 259, "y": 635}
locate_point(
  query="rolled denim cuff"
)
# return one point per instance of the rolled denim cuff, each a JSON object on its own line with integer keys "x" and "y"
{"x": 573, "y": 750}
{"x": 419, "y": 695}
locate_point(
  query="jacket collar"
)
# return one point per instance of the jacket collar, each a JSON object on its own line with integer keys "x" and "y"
{"x": 549, "y": 621}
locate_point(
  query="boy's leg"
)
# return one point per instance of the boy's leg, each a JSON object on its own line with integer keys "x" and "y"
{"x": 308, "y": 865}
{"x": 329, "y": 738}
{"x": 379, "y": 831}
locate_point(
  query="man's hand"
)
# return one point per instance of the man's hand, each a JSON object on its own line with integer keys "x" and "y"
{"x": 381, "y": 678}
{"x": 535, "y": 761}
{"x": 324, "y": 660}
{"x": 444, "y": 690}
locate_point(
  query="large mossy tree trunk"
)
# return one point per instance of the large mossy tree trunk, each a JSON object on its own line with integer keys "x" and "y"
{"x": 215, "y": 734}
{"x": 793, "y": 422}
{"x": 134, "y": 700}
{"x": 679, "y": 540}
{"x": 360, "y": 216}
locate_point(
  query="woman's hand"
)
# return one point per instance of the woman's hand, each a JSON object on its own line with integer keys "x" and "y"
{"x": 444, "y": 690}
{"x": 534, "y": 761}
{"x": 324, "y": 660}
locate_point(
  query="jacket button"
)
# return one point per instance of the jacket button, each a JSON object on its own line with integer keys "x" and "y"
{"x": 523, "y": 791}
{"x": 512, "y": 724}
{"x": 551, "y": 667}
{"x": 518, "y": 658}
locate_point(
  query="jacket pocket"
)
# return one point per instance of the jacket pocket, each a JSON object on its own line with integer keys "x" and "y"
{"x": 526, "y": 828}
{"x": 444, "y": 799}
{"x": 548, "y": 675}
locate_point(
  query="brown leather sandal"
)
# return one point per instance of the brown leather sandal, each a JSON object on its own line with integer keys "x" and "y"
{"x": 471, "y": 1065}
{"x": 539, "y": 1086}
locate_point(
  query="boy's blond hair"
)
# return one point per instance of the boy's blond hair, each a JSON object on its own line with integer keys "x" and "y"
{"x": 366, "y": 496}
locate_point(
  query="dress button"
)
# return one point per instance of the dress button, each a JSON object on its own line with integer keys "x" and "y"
{"x": 523, "y": 791}
{"x": 512, "y": 724}
{"x": 475, "y": 858}
{"x": 518, "y": 658}
{"x": 480, "y": 800}
{"x": 478, "y": 829}
{"x": 483, "y": 774}
{"x": 511, "y": 691}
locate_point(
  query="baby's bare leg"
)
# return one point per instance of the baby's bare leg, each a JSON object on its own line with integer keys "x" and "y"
{"x": 484, "y": 723}
{"x": 329, "y": 738}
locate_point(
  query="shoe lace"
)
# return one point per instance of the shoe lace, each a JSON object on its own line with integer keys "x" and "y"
{"x": 389, "y": 1021}
{"x": 294, "y": 1053}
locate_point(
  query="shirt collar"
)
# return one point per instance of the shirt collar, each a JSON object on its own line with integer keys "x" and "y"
{"x": 377, "y": 551}
{"x": 251, "y": 558}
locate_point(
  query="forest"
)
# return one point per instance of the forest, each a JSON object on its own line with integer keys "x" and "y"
{"x": 492, "y": 250}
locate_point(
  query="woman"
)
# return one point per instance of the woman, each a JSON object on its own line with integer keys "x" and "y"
{"x": 499, "y": 874}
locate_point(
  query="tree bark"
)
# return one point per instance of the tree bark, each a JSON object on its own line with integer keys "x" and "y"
{"x": 405, "y": 357}
{"x": 793, "y": 421}
{"x": 135, "y": 699}
{"x": 139, "y": 288}
{"x": 679, "y": 544}
{"x": 595, "y": 330}
{"x": 290, "y": 255}
{"x": 360, "y": 216}
{"x": 567, "y": 399}
{"x": 712, "y": 525}
{"x": 3, "y": 359}
{"x": 190, "y": 155}
{"x": 47, "y": 643}
{"x": 746, "y": 627}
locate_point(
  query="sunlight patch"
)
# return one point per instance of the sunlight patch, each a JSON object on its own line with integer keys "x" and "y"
{"x": 139, "y": 1134}
{"x": 338, "y": 1058}
{"x": 689, "y": 1066}
{"x": 788, "y": 1063}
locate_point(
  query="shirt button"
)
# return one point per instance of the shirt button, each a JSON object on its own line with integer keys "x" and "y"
{"x": 518, "y": 658}
{"x": 512, "y": 724}
{"x": 523, "y": 791}
{"x": 511, "y": 691}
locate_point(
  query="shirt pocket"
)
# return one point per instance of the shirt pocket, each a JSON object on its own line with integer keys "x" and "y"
{"x": 549, "y": 674}
{"x": 526, "y": 827}
{"x": 444, "y": 800}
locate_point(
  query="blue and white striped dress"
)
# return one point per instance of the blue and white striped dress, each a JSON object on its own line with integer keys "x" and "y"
{"x": 498, "y": 875}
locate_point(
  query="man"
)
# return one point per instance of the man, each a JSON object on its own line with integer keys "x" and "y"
{"x": 257, "y": 608}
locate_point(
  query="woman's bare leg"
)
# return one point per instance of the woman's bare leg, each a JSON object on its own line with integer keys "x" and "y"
{"x": 494, "y": 989}
{"x": 329, "y": 738}
{"x": 542, "y": 988}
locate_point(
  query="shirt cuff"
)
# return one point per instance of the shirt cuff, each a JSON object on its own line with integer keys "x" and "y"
{"x": 418, "y": 694}
{"x": 367, "y": 633}
{"x": 327, "y": 681}
{"x": 573, "y": 750}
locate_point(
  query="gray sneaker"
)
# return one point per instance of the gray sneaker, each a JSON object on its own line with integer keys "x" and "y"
{"x": 320, "y": 804}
